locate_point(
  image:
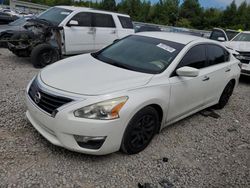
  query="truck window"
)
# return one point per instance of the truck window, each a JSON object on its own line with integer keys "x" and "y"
{"x": 126, "y": 22}
{"x": 216, "y": 34}
{"x": 55, "y": 15}
{"x": 83, "y": 18}
{"x": 103, "y": 20}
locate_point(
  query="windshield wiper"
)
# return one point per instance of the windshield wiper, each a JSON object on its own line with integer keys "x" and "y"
{"x": 98, "y": 56}
{"x": 121, "y": 65}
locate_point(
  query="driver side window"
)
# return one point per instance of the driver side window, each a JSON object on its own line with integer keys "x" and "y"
{"x": 195, "y": 57}
{"x": 83, "y": 18}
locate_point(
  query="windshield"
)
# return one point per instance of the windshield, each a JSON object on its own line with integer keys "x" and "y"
{"x": 18, "y": 22}
{"x": 55, "y": 15}
{"x": 242, "y": 37}
{"x": 141, "y": 54}
{"x": 231, "y": 34}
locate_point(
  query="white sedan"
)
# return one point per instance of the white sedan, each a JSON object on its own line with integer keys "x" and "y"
{"x": 121, "y": 96}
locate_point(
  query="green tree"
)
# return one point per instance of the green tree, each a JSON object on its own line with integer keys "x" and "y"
{"x": 211, "y": 18}
{"x": 242, "y": 16}
{"x": 191, "y": 10}
{"x": 108, "y": 5}
{"x": 183, "y": 22}
{"x": 229, "y": 15}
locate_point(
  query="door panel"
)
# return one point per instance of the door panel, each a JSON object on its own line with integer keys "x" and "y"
{"x": 187, "y": 94}
{"x": 106, "y": 31}
{"x": 218, "y": 71}
{"x": 79, "y": 39}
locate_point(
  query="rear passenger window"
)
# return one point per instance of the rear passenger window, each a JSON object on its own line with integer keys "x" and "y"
{"x": 126, "y": 22}
{"x": 216, "y": 55}
{"x": 103, "y": 20}
{"x": 195, "y": 57}
{"x": 83, "y": 18}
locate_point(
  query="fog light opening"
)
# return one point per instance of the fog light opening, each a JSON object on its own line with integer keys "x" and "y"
{"x": 90, "y": 142}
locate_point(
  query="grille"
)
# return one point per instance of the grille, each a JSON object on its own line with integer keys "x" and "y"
{"x": 44, "y": 100}
{"x": 247, "y": 57}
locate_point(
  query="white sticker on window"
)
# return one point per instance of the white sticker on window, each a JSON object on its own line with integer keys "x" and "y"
{"x": 65, "y": 13}
{"x": 166, "y": 47}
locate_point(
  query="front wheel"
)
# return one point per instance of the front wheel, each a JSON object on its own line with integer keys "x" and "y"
{"x": 44, "y": 54}
{"x": 140, "y": 130}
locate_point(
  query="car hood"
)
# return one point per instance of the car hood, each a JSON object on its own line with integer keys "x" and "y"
{"x": 86, "y": 75}
{"x": 238, "y": 46}
{"x": 9, "y": 27}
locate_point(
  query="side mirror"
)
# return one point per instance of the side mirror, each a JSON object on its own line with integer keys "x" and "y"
{"x": 73, "y": 23}
{"x": 221, "y": 39}
{"x": 187, "y": 72}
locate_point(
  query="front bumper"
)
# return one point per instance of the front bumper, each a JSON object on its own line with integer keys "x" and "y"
{"x": 60, "y": 130}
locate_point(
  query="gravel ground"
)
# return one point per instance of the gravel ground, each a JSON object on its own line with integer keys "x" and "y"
{"x": 198, "y": 151}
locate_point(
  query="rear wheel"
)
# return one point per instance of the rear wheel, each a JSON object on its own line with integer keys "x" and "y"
{"x": 44, "y": 54}
{"x": 225, "y": 96}
{"x": 140, "y": 130}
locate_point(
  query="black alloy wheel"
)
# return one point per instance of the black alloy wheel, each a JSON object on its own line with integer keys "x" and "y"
{"x": 140, "y": 130}
{"x": 225, "y": 96}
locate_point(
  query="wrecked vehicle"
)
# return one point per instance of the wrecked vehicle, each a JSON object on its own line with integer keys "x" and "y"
{"x": 40, "y": 40}
{"x": 66, "y": 30}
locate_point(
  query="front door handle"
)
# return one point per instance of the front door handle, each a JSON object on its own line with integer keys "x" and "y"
{"x": 228, "y": 70}
{"x": 206, "y": 78}
{"x": 92, "y": 30}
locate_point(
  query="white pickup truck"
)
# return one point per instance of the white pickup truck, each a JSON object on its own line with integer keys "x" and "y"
{"x": 67, "y": 30}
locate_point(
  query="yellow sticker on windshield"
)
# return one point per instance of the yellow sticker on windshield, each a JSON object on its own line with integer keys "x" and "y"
{"x": 166, "y": 47}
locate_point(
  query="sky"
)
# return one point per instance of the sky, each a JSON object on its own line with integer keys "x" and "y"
{"x": 219, "y": 3}
{"x": 215, "y": 3}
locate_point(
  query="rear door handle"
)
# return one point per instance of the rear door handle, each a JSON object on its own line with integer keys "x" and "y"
{"x": 113, "y": 32}
{"x": 228, "y": 70}
{"x": 206, "y": 78}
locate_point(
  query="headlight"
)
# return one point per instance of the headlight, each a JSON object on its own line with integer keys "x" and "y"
{"x": 107, "y": 110}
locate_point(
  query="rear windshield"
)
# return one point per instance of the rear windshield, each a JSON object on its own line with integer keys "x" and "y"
{"x": 141, "y": 54}
{"x": 55, "y": 15}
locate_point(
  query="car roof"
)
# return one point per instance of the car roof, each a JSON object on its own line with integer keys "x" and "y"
{"x": 74, "y": 8}
{"x": 175, "y": 37}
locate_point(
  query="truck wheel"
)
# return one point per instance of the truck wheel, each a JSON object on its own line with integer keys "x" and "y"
{"x": 44, "y": 54}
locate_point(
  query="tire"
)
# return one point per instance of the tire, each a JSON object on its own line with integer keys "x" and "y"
{"x": 225, "y": 96}
{"x": 44, "y": 54}
{"x": 140, "y": 131}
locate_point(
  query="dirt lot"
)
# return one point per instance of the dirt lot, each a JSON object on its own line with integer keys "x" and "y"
{"x": 195, "y": 152}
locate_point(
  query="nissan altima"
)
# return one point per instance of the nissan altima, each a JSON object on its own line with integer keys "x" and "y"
{"x": 120, "y": 97}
